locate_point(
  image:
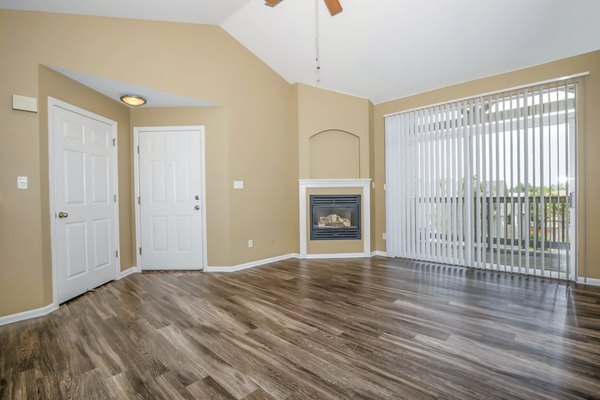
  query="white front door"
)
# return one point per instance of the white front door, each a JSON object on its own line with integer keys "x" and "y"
{"x": 85, "y": 241}
{"x": 170, "y": 197}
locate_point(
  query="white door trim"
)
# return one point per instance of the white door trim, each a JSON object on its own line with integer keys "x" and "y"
{"x": 52, "y": 102}
{"x": 136, "y": 178}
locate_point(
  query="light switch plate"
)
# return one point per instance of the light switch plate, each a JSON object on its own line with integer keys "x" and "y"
{"x": 238, "y": 184}
{"x": 22, "y": 182}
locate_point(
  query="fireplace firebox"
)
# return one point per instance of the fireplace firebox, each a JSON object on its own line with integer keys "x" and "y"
{"x": 335, "y": 217}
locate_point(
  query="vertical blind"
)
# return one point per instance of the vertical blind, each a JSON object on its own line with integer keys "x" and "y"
{"x": 486, "y": 181}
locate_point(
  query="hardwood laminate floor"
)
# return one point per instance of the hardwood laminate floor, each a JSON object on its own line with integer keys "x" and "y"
{"x": 313, "y": 329}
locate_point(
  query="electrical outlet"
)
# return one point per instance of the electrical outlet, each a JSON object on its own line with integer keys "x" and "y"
{"x": 250, "y": 243}
{"x": 22, "y": 182}
{"x": 384, "y": 236}
{"x": 238, "y": 184}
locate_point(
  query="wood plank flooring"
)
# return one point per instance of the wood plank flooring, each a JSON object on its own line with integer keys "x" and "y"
{"x": 313, "y": 329}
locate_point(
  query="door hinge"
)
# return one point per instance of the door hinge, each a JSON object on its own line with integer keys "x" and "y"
{"x": 115, "y": 198}
{"x": 117, "y": 254}
{"x": 139, "y": 200}
{"x": 138, "y": 149}
{"x": 140, "y": 251}
{"x": 114, "y": 142}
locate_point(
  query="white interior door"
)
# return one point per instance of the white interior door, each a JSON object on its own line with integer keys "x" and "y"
{"x": 85, "y": 242}
{"x": 170, "y": 198}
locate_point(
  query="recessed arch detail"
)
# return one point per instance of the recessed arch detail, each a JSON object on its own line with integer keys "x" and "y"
{"x": 334, "y": 130}
{"x": 334, "y": 154}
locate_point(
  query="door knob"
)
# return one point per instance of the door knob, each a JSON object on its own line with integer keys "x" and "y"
{"x": 196, "y": 208}
{"x": 62, "y": 215}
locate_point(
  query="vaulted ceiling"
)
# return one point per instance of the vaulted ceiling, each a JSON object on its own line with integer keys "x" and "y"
{"x": 379, "y": 49}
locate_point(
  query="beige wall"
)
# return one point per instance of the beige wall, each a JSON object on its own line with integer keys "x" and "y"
{"x": 334, "y": 154}
{"x": 268, "y": 167}
{"x": 374, "y": 183}
{"x": 260, "y": 133}
{"x": 217, "y": 199}
{"x": 255, "y": 134}
{"x": 321, "y": 110}
{"x": 25, "y": 273}
{"x": 589, "y": 142}
{"x": 333, "y": 143}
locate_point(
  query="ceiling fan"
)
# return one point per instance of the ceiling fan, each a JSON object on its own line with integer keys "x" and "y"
{"x": 333, "y": 6}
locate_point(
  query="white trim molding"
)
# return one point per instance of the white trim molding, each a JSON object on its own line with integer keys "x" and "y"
{"x": 333, "y": 255}
{"x": 129, "y": 271}
{"x": 378, "y": 253}
{"x": 251, "y": 264}
{"x": 136, "y": 186}
{"x": 588, "y": 281}
{"x": 38, "y": 312}
{"x": 365, "y": 184}
{"x": 258, "y": 263}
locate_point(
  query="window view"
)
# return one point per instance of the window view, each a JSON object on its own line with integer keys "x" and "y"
{"x": 486, "y": 181}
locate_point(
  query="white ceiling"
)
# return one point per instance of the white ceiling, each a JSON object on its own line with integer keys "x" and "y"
{"x": 116, "y": 89}
{"x": 194, "y": 11}
{"x": 380, "y": 49}
{"x": 387, "y": 49}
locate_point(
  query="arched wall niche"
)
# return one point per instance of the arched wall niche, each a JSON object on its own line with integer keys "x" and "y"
{"x": 334, "y": 154}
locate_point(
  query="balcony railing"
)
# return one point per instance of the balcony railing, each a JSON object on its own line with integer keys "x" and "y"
{"x": 504, "y": 231}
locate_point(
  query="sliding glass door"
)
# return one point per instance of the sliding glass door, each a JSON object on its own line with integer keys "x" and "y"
{"x": 487, "y": 181}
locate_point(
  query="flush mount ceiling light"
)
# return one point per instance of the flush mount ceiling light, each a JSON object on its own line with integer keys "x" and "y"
{"x": 133, "y": 100}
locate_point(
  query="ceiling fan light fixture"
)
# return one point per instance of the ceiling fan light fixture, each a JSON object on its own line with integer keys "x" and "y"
{"x": 133, "y": 100}
{"x": 272, "y": 3}
{"x": 333, "y": 6}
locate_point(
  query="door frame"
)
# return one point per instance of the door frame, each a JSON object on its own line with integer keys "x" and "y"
{"x": 136, "y": 178}
{"x": 52, "y": 103}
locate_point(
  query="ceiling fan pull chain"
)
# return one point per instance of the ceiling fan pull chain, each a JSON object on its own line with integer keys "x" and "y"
{"x": 317, "y": 50}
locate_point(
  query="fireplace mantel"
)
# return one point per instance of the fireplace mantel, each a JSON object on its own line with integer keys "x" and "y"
{"x": 364, "y": 184}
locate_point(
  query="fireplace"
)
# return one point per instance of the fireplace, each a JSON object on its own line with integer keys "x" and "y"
{"x": 335, "y": 217}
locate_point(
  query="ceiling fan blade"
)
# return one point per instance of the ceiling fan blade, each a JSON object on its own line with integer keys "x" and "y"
{"x": 272, "y": 3}
{"x": 334, "y": 7}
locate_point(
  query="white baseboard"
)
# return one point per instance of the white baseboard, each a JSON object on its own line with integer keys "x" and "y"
{"x": 589, "y": 281}
{"x": 335, "y": 255}
{"x": 251, "y": 264}
{"x": 38, "y": 312}
{"x": 378, "y": 253}
{"x": 128, "y": 271}
{"x": 258, "y": 263}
